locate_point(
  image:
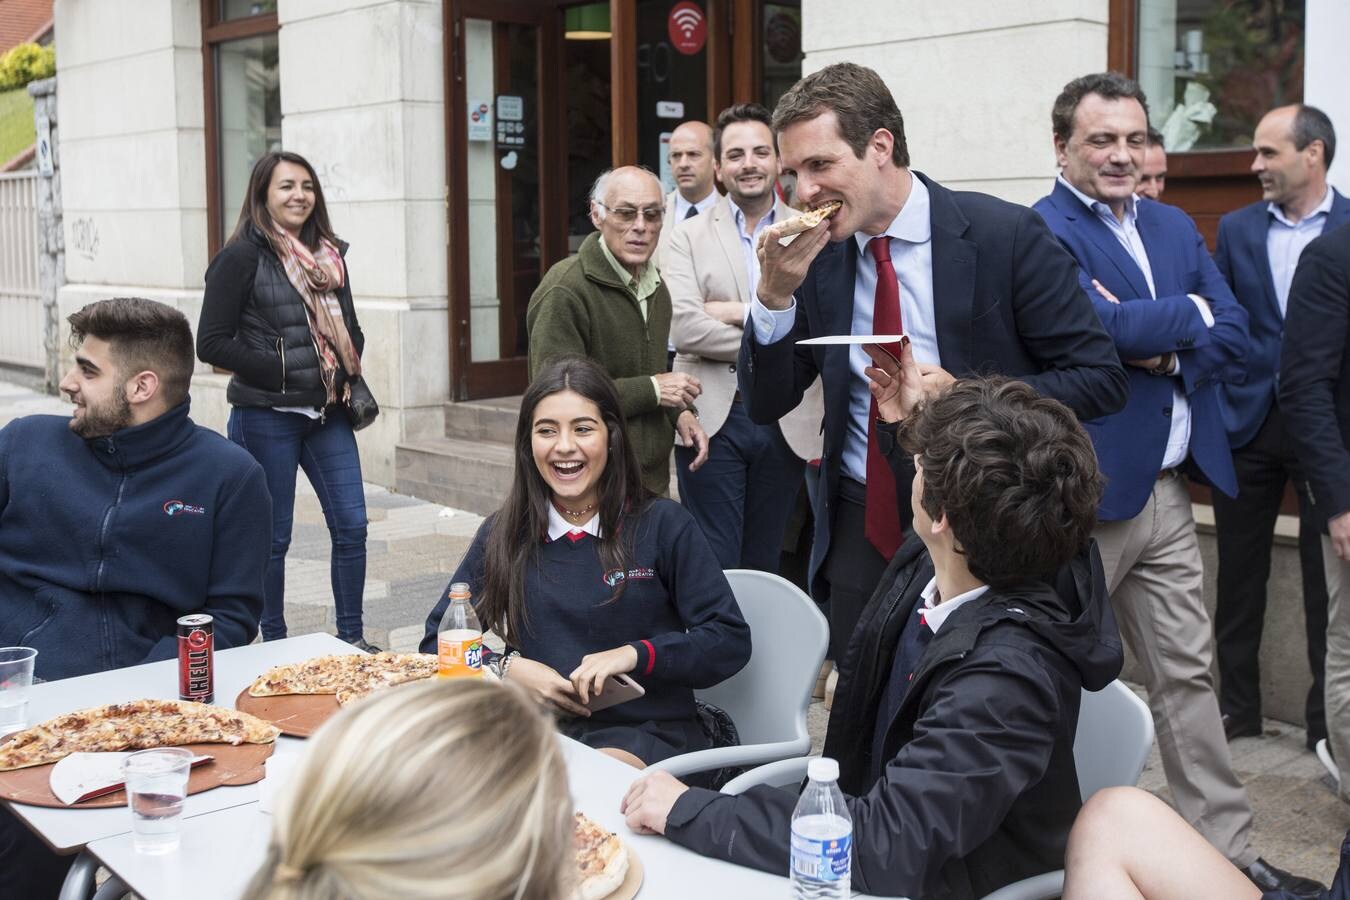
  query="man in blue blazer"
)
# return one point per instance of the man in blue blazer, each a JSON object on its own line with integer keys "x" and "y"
{"x": 978, "y": 284}
{"x": 1259, "y": 247}
{"x": 1180, "y": 332}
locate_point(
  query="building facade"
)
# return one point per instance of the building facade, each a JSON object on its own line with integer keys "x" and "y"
{"x": 456, "y": 142}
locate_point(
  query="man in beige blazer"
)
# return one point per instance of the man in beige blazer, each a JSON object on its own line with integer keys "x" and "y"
{"x": 744, "y": 494}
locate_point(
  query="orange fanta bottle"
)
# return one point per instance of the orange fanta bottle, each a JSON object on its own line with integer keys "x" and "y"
{"x": 459, "y": 640}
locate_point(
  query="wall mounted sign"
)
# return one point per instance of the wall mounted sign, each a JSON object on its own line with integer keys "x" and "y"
{"x": 669, "y": 109}
{"x": 480, "y": 121}
{"x": 688, "y": 27}
{"x": 510, "y": 109}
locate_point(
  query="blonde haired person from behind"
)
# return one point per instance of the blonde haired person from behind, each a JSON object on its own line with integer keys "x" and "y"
{"x": 351, "y": 825}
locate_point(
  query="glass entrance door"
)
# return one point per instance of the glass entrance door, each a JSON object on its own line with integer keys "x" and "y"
{"x": 499, "y": 169}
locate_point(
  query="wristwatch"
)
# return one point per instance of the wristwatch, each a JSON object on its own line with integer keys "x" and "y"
{"x": 1164, "y": 366}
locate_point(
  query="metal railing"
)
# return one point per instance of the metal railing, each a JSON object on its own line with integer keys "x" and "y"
{"x": 21, "y": 313}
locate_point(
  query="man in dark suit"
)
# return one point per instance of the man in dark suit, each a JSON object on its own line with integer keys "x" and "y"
{"x": 1315, "y": 399}
{"x": 1180, "y": 331}
{"x": 978, "y": 284}
{"x": 1259, "y": 246}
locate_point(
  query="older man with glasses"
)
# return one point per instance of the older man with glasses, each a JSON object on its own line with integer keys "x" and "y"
{"x": 608, "y": 303}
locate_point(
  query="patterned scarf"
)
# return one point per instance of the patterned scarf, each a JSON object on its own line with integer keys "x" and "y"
{"x": 316, "y": 277}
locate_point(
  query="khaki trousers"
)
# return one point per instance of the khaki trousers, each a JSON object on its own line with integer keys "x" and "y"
{"x": 1154, "y": 573}
{"x": 1338, "y": 661}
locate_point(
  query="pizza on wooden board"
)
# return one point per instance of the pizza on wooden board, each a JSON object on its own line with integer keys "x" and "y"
{"x": 134, "y": 725}
{"x": 602, "y": 860}
{"x": 349, "y": 676}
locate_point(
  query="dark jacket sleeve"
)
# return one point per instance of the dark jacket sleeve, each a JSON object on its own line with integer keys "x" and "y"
{"x": 470, "y": 571}
{"x": 239, "y": 557}
{"x": 716, "y": 641}
{"x": 358, "y": 336}
{"x": 942, "y": 796}
{"x": 229, "y": 284}
{"x": 1173, "y": 324}
{"x": 1316, "y": 332}
{"x": 1079, "y": 365}
{"x": 773, "y": 377}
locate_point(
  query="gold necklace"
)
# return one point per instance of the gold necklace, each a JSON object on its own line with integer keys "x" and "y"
{"x": 576, "y": 513}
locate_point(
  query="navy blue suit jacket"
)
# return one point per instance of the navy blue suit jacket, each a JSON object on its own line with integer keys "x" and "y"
{"x": 1315, "y": 371}
{"x": 1006, "y": 300}
{"x": 1243, "y": 262}
{"x": 1131, "y": 444}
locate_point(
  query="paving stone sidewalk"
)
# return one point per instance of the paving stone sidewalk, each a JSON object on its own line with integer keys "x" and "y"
{"x": 414, "y": 546}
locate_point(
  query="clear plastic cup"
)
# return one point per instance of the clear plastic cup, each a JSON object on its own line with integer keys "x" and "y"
{"x": 156, "y": 785}
{"x": 16, "y": 676}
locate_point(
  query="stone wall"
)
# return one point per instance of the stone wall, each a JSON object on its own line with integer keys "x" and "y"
{"x": 974, "y": 80}
{"x": 361, "y": 93}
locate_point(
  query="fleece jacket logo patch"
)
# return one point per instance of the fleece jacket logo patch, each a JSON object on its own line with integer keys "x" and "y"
{"x": 179, "y": 508}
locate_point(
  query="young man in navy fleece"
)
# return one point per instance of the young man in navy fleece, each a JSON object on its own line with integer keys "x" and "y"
{"x": 956, "y": 710}
{"x": 119, "y": 520}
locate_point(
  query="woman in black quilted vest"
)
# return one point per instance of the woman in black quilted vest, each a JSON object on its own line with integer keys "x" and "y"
{"x": 278, "y": 313}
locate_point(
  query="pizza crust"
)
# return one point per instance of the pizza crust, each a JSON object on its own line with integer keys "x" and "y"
{"x": 602, "y": 860}
{"x": 806, "y": 221}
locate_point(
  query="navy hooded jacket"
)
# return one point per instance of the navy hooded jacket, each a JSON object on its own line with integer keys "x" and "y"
{"x": 977, "y": 786}
{"x": 105, "y": 543}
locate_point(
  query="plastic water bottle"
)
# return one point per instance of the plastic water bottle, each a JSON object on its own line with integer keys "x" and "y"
{"x": 459, "y": 640}
{"x": 822, "y": 836}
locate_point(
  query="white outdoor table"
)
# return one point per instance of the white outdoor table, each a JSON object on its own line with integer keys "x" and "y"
{"x": 68, "y": 830}
{"x": 222, "y": 850}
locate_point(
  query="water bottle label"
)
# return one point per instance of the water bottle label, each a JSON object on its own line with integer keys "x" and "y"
{"x": 826, "y": 860}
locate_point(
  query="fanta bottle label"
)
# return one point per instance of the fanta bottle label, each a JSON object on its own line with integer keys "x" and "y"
{"x": 460, "y": 654}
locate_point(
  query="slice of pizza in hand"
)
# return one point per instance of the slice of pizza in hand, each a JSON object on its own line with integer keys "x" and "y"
{"x": 806, "y": 221}
{"x": 602, "y": 860}
{"x": 134, "y": 725}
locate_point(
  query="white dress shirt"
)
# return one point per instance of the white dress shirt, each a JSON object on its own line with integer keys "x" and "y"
{"x": 912, "y": 256}
{"x": 936, "y": 610}
{"x": 682, "y": 206}
{"x": 558, "y": 526}
{"x": 749, "y": 242}
{"x": 1127, "y": 233}
{"x": 1285, "y": 241}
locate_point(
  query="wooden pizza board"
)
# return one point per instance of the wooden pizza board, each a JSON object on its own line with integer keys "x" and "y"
{"x": 298, "y": 715}
{"x": 632, "y": 881}
{"x": 242, "y": 764}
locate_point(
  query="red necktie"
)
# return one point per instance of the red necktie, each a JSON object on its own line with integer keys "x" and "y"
{"x": 881, "y": 519}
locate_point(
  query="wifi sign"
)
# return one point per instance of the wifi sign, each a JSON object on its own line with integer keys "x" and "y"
{"x": 688, "y": 27}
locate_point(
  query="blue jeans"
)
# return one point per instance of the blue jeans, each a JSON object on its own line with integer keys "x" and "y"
{"x": 743, "y": 494}
{"x": 283, "y": 442}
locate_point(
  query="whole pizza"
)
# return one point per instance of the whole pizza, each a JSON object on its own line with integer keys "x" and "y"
{"x": 602, "y": 860}
{"x": 349, "y": 676}
{"x": 134, "y": 725}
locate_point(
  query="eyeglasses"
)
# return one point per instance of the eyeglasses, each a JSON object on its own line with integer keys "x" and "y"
{"x": 627, "y": 215}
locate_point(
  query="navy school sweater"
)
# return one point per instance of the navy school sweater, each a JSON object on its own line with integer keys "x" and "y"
{"x": 105, "y": 543}
{"x": 676, "y": 610}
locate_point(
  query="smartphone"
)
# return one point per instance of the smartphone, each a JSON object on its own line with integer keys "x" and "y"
{"x": 618, "y": 689}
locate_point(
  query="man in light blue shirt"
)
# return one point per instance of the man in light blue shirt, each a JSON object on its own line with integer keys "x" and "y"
{"x": 743, "y": 496}
{"x": 1259, "y": 248}
{"x": 978, "y": 284}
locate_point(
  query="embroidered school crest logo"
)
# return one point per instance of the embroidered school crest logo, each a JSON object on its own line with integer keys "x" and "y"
{"x": 614, "y": 576}
{"x": 179, "y": 508}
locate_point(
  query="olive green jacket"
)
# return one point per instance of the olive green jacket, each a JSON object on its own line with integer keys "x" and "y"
{"x": 581, "y": 307}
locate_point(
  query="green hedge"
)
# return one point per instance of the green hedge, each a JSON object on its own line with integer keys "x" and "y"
{"x": 25, "y": 63}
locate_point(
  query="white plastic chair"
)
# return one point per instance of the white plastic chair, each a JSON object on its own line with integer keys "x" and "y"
{"x": 767, "y": 700}
{"x": 1110, "y": 747}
